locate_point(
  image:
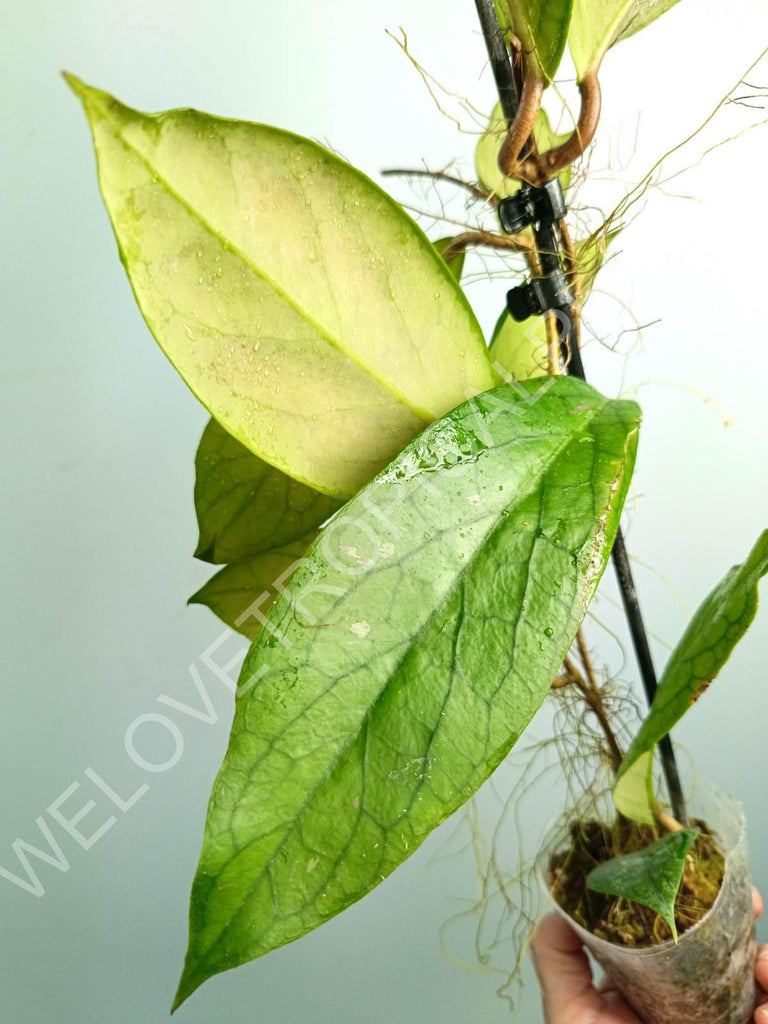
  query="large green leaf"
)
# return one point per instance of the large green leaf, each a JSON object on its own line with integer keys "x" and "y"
{"x": 242, "y": 594}
{"x": 651, "y": 876}
{"x": 489, "y": 173}
{"x": 414, "y": 644}
{"x": 542, "y": 26}
{"x": 719, "y": 623}
{"x": 245, "y": 506}
{"x": 298, "y": 301}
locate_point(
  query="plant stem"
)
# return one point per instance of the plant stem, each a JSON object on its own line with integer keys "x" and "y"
{"x": 478, "y": 238}
{"x": 422, "y": 172}
{"x": 587, "y": 683}
{"x": 549, "y": 259}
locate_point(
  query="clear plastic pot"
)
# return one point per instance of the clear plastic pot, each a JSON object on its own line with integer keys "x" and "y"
{"x": 709, "y": 974}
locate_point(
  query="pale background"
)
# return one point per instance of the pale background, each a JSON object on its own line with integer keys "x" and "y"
{"x": 99, "y": 437}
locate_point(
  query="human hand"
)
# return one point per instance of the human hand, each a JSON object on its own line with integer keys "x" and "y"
{"x": 568, "y": 993}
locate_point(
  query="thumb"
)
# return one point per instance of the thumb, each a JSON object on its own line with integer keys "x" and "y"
{"x": 563, "y": 970}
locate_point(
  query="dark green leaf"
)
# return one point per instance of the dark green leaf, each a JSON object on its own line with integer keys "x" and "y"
{"x": 713, "y": 632}
{"x": 245, "y": 506}
{"x": 542, "y": 26}
{"x": 651, "y": 876}
{"x": 243, "y": 593}
{"x": 415, "y": 642}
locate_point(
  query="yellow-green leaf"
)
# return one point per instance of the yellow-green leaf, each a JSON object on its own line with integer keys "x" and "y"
{"x": 243, "y": 593}
{"x": 596, "y": 25}
{"x": 302, "y": 306}
{"x": 519, "y": 350}
{"x": 642, "y": 14}
{"x": 590, "y": 255}
{"x": 487, "y": 152}
{"x": 454, "y": 260}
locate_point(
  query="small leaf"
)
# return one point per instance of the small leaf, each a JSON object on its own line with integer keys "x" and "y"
{"x": 519, "y": 349}
{"x": 298, "y": 301}
{"x": 454, "y": 260}
{"x": 597, "y": 25}
{"x": 719, "y": 623}
{"x": 542, "y": 26}
{"x": 650, "y": 876}
{"x": 410, "y": 650}
{"x": 487, "y": 152}
{"x": 642, "y": 14}
{"x": 590, "y": 255}
{"x": 245, "y": 506}
{"x": 243, "y": 593}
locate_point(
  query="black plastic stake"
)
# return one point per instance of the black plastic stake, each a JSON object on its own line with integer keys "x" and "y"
{"x": 549, "y": 256}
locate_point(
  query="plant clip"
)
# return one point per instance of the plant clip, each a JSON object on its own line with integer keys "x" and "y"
{"x": 538, "y": 207}
{"x": 529, "y": 205}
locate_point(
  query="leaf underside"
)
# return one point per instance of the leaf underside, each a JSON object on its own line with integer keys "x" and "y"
{"x": 246, "y": 507}
{"x": 719, "y": 623}
{"x": 297, "y": 300}
{"x": 413, "y": 645}
{"x": 597, "y": 25}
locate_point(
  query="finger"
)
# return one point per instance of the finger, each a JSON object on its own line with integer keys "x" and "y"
{"x": 761, "y": 969}
{"x": 563, "y": 969}
{"x": 761, "y": 1015}
{"x": 757, "y": 903}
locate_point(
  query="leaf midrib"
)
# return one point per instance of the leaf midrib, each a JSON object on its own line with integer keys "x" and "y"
{"x": 497, "y": 524}
{"x": 258, "y": 272}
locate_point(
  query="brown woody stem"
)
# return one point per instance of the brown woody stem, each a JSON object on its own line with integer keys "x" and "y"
{"x": 555, "y": 160}
{"x": 587, "y": 683}
{"x": 486, "y": 238}
{"x": 521, "y": 128}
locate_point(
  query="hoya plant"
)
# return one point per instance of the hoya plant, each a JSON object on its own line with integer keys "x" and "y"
{"x": 407, "y": 519}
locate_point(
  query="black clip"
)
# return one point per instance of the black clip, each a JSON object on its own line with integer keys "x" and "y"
{"x": 539, "y": 295}
{"x": 540, "y": 208}
{"x": 543, "y": 205}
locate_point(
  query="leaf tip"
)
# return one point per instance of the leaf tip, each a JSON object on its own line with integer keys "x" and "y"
{"x": 189, "y": 982}
{"x": 77, "y": 85}
{"x": 206, "y": 551}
